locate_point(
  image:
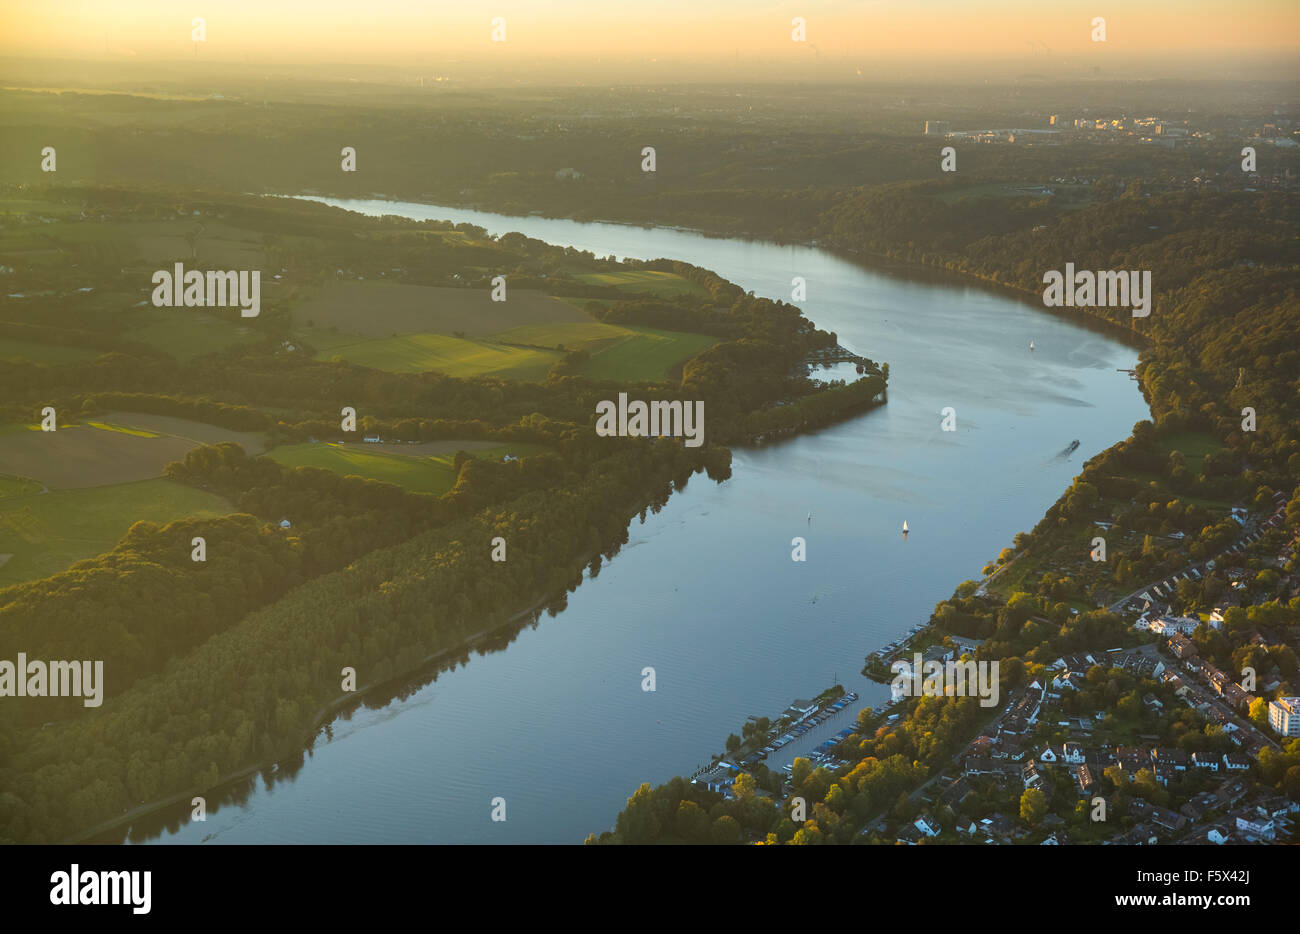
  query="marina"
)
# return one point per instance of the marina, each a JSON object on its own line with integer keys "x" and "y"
{"x": 797, "y": 721}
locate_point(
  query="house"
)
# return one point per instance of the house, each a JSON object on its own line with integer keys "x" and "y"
{"x": 1140, "y": 835}
{"x": 1015, "y": 725}
{"x": 1074, "y": 662}
{"x": 1049, "y": 754}
{"x": 928, "y": 826}
{"x": 937, "y": 653}
{"x": 1262, "y": 828}
{"x": 1236, "y": 761}
{"x": 1277, "y": 807}
{"x": 1132, "y": 759}
{"x": 1219, "y": 834}
{"x": 979, "y": 765}
{"x": 1157, "y": 817}
{"x": 1182, "y": 647}
{"x": 909, "y": 836}
{"x": 1152, "y": 702}
{"x": 1205, "y": 760}
{"x": 1084, "y": 781}
{"x": 1199, "y": 806}
{"x": 1073, "y": 754}
{"x": 1069, "y": 681}
{"x": 1010, "y": 748}
{"x": 998, "y": 825}
{"x": 965, "y": 645}
{"x": 1231, "y": 792}
{"x": 952, "y": 796}
{"x": 1170, "y": 757}
{"x": 372, "y": 439}
{"x": 1029, "y": 704}
{"x": 1031, "y": 777}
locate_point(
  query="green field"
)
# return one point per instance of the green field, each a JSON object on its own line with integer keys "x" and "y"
{"x": 16, "y": 351}
{"x": 617, "y": 351}
{"x": 631, "y": 353}
{"x": 416, "y": 472}
{"x": 186, "y": 333}
{"x": 17, "y": 486}
{"x": 1193, "y": 444}
{"x": 645, "y": 354}
{"x": 117, "y": 448}
{"x": 388, "y": 309}
{"x": 664, "y": 284}
{"x": 44, "y": 533}
{"x": 419, "y": 353}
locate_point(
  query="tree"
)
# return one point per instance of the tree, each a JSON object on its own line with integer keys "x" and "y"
{"x": 800, "y": 772}
{"x": 726, "y": 831}
{"x": 1033, "y": 806}
{"x": 1291, "y": 783}
{"x": 733, "y": 742}
{"x": 1259, "y": 711}
{"x": 744, "y": 786}
{"x": 691, "y": 822}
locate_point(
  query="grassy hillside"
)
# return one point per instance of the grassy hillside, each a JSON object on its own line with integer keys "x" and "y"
{"x": 415, "y": 472}
{"x": 44, "y": 533}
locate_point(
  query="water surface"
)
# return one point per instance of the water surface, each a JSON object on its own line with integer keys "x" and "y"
{"x": 705, "y": 592}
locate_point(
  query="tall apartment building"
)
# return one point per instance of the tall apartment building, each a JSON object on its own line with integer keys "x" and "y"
{"x": 1284, "y": 716}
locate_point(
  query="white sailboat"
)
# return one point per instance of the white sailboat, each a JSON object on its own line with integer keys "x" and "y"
{"x": 904, "y": 526}
{"x": 1031, "y": 345}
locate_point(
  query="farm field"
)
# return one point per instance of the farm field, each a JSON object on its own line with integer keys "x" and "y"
{"x": 386, "y": 309}
{"x": 664, "y": 284}
{"x": 1194, "y": 445}
{"x": 645, "y": 354}
{"x": 80, "y": 455}
{"x": 617, "y": 352}
{"x": 418, "y": 353}
{"x": 12, "y": 350}
{"x": 419, "y": 474}
{"x": 184, "y": 428}
{"x": 44, "y": 533}
{"x": 186, "y": 333}
{"x": 17, "y": 486}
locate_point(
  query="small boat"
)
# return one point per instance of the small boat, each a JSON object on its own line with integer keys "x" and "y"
{"x": 904, "y": 526}
{"x": 1031, "y": 345}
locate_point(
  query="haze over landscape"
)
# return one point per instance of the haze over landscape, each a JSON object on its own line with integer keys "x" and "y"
{"x": 532, "y": 423}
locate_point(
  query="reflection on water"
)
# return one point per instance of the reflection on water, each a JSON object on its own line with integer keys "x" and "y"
{"x": 706, "y": 592}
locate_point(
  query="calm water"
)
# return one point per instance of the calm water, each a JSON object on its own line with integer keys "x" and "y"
{"x": 705, "y": 591}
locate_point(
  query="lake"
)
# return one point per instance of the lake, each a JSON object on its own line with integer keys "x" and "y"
{"x": 705, "y": 592}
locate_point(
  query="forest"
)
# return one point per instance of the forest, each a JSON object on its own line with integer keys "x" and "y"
{"x": 216, "y": 667}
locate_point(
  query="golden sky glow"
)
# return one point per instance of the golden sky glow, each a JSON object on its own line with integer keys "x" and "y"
{"x": 411, "y": 31}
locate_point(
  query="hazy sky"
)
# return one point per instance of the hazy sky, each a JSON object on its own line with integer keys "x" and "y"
{"x": 414, "y": 32}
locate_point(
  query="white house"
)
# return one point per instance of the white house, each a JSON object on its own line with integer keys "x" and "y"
{"x": 1264, "y": 828}
{"x": 927, "y": 826}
